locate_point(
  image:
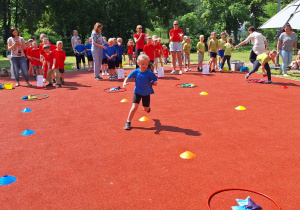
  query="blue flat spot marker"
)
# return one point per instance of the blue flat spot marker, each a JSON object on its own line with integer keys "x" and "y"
{"x": 6, "y": 179}
{"x": 27, "y": 132}
{"x": 26, "y": 110}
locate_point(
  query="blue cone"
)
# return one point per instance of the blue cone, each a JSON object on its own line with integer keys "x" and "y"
{"x": 26, "y": 110}
{"x": 6, "y": 179}
{"x": 27, "y": 132}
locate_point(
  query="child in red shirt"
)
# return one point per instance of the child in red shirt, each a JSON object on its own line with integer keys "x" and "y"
{"x": 149, "y": 50}
{"x": 50, "y": 61}
{"x": 60, "y": 56}
{"x": 42, "y": 54}
{"x": 166, "y": 53}
{"x": 130, "y": 51}
{"x": 35, "y": 57}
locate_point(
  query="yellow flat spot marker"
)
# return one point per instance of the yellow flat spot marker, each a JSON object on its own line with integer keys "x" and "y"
{"x": 187, "y": 155}
{"x": 203, "y": 93}
{"x": 124, "y": 100}
{"x": 240, "y": 108}
{"x": 144, "y": 119}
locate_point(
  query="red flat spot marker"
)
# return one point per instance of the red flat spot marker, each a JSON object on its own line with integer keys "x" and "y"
{"x": 284, "y": 87}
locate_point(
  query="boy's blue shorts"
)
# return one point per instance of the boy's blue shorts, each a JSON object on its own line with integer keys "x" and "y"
{"x": 221, "y": 53}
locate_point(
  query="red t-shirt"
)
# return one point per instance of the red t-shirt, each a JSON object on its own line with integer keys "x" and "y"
{"x": 35, "y": 53}
{"x": 28, "y": 53}
{"x": 166, "y": 53}
{"x": 175, "y": 34}
{"x": 49, "y": 59}
{"x": 60, "y": 57}
{"x": 158, "y": 50}
{"x": 129, "y": 49}
{"x": 141, "y": 43}
{"x": 149, "y": 50}
{"x": 52, "y": 47}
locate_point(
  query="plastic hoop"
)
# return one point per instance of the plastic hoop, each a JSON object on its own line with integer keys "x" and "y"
{"x": 180, "y": 86}
{"x": 256, "y": 80}
{"x": 115, "y": 91}
{"x": 36, "y": 99}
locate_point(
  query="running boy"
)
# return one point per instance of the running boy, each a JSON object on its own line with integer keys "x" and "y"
{"x": 262, "y": 60}
{"x": 144, "y": 79}
{"x": 200, "y": 52}
{"x": 60, "y": 57}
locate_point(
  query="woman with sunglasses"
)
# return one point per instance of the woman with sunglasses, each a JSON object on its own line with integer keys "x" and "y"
{"x": 97, "y": 45}
{"x": 139, "y": 39}
{"x": 176, "y": 36}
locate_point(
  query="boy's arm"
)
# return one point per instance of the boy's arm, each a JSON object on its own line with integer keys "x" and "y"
{"x": 125, "y": 82}
{"x": 54, "y": 61}
{"x": 124, "y": 56}
{"x": 273, "y": 60}
{"x": 263, "y": 68}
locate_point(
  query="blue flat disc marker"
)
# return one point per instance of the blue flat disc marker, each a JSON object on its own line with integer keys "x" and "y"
{"x": 27, "y": 132}
{"x": 26, "y": 110}
{"x": 6, "y": 179}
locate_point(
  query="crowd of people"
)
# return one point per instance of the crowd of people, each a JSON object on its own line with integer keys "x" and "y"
{"x": 104, "y": 55}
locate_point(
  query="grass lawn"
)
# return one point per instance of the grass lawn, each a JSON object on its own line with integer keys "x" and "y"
{"x": 242, "y": 56}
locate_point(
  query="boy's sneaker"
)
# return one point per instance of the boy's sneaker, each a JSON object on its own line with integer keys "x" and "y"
{"x": 213, "y": 70}
{"x": 49, "y": 85}
{"x": 34, "y": 77}
{"x": 13, "y": 78}
{"x": 270, "y": 82}
{"x": 285, "y": 75}
{"x": 186, "y": 69}
{"x": 110, "y": 78}
{"x": 149, "y": 110}
{"x": 44, "y": 80}
{"x": 98, "y": 78}
{"x": 114, "y": 78}
{"x": 63, "y": 82}
{"x": 189, "y": 69}
{"x": 247, "y": 76}
{"x": 58, "y": 86}
{"x": 173, "y": 72}
{"x": 198, "y": 69}
{"x": 127, "y": 126}
{"x": 17, "y": 85}
{"x": 103, "y": 73}
{"x": 155, "y": 72}
{"x": 180, "y": 72}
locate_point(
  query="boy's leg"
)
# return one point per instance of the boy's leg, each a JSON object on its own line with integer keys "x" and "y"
{"x": 83, "y": 61}
{"x": 267, "y": 68}
{"x": 228, "y": 62}
{"x": 252, "y": 56}
{"x": 223, "y": 62}
{"x": 146, "y": 103}
{"x": 132, "y": 111}
{"x": 49, "y": 75}
{"x": 256, "y": 66}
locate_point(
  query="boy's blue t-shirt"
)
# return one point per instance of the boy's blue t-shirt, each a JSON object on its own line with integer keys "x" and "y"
{"x": 120, "y": 50}
{"x": 142, "y": 81}
{"x": 104, "y": 51}
{"x": 88, "y": 47}
{"x": 80, "y": 48}
{"x": 111, "y": 51}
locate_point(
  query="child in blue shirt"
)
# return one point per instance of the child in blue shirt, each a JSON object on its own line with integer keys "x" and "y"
{"x": 104, "y": 59}
{"x": 111, "y": 54}
{"x": 121, "y": 52}
{"x": 80, "y": 52}
{"x": 144, "y": 79}
{"x": 89, "y": 55}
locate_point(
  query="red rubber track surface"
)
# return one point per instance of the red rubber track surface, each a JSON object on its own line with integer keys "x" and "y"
{"x": 80, "y": 156}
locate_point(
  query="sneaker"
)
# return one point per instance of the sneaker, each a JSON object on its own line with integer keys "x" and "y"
{"x": 58, "y": 86}
{"x": 44, "y": 80}
{"x": 110, "y": 78}
{"x": 285, "y": 75}
{"x": 13, "y": 78}
{"x": 77, "y": 69}
{"x": 63, "y": 82}
{"x": 98, "y": 78}
{"x": 270, "y": 82}
{"x": 173, "y": 72}
{"x": 28, "y": 84}
{"x": 213, "y": 70}
{"x": 247, "y": 76}
{"x": 17, "y": 85}
{"x": 149, "y": 110}
{"x": 180, "y": 72}
{"x": 186, "y": 70}
{"x": 107, "y": 74}
{"x": 127, "y": 126}
{"x": 198, "y": 69}
{"x": 114, "y": 78}
{"x": 49, "y": 85}
{"x": 189, "y": 69}
{"x": 103, "y": 73}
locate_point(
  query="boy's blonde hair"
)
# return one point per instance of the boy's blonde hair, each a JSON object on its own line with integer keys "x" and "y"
{"x": 111, "y": 40}
{"x": 273, "y": 52}
{"x": 119, "y": 38}
{"x": 143, "y": 57}
{"x": 223, "y": 33}
{"x": 59, "y": 42}
{"x": 201, "y": 36}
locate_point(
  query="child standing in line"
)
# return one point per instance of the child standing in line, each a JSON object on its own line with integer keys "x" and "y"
{"x": 166, "y": 54}
{"x": 42, "y": 54}
{"x": 187, "y": 50}
{"x": 50, "y": 61}
{"x": 182, "y": 55}
{"x": 262, "y": 60}
{"x": 130, "y": 46}
{"x": 227, "y": 54}
{"x": 80, "y": 52}
{"x": 160, "y": 51}
{"x": 213, "y": 49}
{"x": 156, "y": 48}
{"x": 104, "y": 59}
{"x": 60, "y": 57}
{"x": 200, "y": 52}
{"x": 89, "y": 55}
{"x": 28, "y": 54}
{"x": 149, "y": 50}
{"x": 221, "y": 43}
{"x": 144, "y": 80}
{"x": 35, "y": 56}
{"x": 121, "y": 52}
{"x": 111, "y": 54}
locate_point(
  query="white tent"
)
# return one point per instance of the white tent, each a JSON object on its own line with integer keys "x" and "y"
{"x": 290, "y": 14}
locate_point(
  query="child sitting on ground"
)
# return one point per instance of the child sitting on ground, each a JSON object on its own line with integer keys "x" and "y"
{"x": 111, "y": 54}
{"x": 200, "y": 52}
{"x": 144, "y": 79}
{"x": 227, "y": 54}
{"x": 262, "y": 60}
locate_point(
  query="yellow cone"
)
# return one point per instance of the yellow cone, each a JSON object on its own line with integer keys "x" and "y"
{"x": 203, "y": 93}
{"x": 240, "y": 108}
{"x": 144, "y": 119}
{"x": 124, "y": 100}
{"x": 187, "y": 155}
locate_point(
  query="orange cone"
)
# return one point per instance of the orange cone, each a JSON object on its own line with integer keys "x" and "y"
{"x": 144, "y": 119}
{"x": 187, "y": 155}
{"x": 240, "y": 108}
{"x": 124, "y": 100}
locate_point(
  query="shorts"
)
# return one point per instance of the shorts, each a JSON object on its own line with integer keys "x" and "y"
{"x": 182, "y": 55}
{"x": 130, "y": 56}
{"x": 90, "y": 58}
{"x": 80, "y": 58}
{"x": 37, "y": 67}
{"x": 176, "y": 46}
{"x": 200, "y": 57}
{"x": 61, "y": 71}
{"x": 212, "y": 54}
{"x": 104, "y": 61}
{"x": 221, "y": 53}
{"x": 111, "y": 64}
{"x": 145, "y": 99}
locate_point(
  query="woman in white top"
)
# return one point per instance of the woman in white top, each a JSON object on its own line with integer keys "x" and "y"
{"x": 74, "y": 41}
{"x": 16, "y": 45}
{"x": 259, "y": 42}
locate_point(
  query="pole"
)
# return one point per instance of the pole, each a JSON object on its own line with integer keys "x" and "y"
{"x": 278, "y": 30}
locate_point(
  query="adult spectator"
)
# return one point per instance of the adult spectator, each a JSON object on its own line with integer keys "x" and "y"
{"x": 176, "y": 36}
{"x": 286, "y": 42}
{"x": 16, "y": 44}
{"x": 139, "y": 39}
{"x": 259, "y": 42}
{"x": 97, "y": 45}
{"x": 74, "y": 41}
